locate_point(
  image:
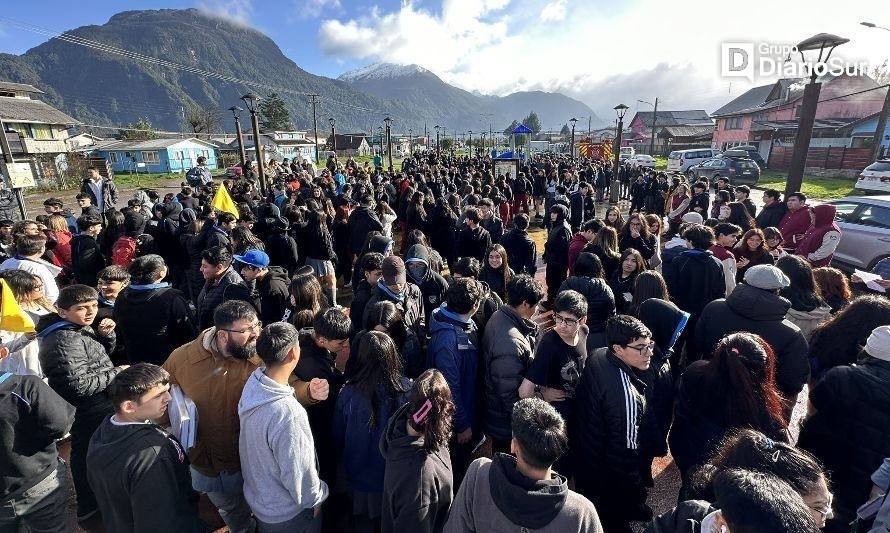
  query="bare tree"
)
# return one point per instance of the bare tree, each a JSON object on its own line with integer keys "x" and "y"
{"x": 201, "y": 118}
{"x": 881, "y": 73}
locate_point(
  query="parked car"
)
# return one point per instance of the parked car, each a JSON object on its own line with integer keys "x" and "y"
{"x": 627, "y": 152}
{"x": 750, "y": 152}
{"x": 681, "y": 160}
{"x": 739, "y": 171}
{"x": 643, "y": 160}
{"x": 875, "y": 177}
{"x": 865, "y": 221}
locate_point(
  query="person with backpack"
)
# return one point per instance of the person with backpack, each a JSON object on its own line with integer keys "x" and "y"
{"x": 199, "y": 175}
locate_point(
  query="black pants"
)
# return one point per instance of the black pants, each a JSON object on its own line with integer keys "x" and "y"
{"x": 86, "y": 421}
{"x": 554, "y": 276}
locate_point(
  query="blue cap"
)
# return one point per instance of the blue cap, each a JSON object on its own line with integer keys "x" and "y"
{"x": 254, "y": 258}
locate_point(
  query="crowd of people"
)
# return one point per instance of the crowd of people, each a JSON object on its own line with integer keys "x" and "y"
{"x": 449, "y": 387}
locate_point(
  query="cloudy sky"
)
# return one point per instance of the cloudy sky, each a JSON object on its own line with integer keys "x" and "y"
{"x": 602, "y": 53}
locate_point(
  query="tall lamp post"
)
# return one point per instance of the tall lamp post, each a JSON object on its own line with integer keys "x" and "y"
{"x": 885, "y": 111}
{"x": 620, "y": 110}
{"x": 333, "y": 136}
{"x": 380, "y": 136}
{"x": 437, "y": 139}
{"x": 251, "y": 100}
{"x": 481, "y": 150}
{"x": 654, "y": 120}
{"x": 470, "y": 144}
{"x": 410, "y": 141}
{"x": 573, "y": 120}
{"x": 388, "y": 122}
{"x": 236, "y": 111}
{"x": 823, "y": 42}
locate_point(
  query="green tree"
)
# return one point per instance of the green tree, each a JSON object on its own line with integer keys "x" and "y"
{"x": 566, "y": 130}
{"x": 141, "y": 130}
{"x": 275, "y": 116}
{"x": 447, "y": 144}
{"x": 532, "y": 122}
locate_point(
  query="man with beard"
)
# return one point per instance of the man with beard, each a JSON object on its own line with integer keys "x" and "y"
{"x": 212, "y": 371}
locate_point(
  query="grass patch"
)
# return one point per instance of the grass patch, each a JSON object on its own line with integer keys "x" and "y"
{"x": 824, "y": 188}
{"x": 661, "y": 162}
{"x": 148, "y": 181}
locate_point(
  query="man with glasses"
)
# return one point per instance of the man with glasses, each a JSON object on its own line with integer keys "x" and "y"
{"x": 212, "y": 371}
{"x": 618, "y": 428}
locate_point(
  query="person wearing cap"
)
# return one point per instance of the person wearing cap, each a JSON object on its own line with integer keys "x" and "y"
{"x": 393, "y": 286}
{"x": 756, "y": 307}
{"x": 268, "y": 285}
{"x": 847, "y": 425}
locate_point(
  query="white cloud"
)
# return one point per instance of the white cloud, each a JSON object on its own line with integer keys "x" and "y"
{"x": 238, "y": 11}
{"x": 599, "y": 53}
{"x": 310, "y": 9}
{"x": 554, "y": 11}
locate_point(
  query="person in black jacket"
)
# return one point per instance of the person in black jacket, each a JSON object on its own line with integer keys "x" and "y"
{"x": 371, "y": 265}
{"x": 773, "y": 210}
{"x": 282, "y": 248}
{"x": 418, "y": 483}
{"x": 556, "y": 250}
{"x": 221, "y": 283}
{"x": 140, "y": 472}
{"x": 522, "y": 251}
{"x": 86, "y": 257}
{"x": 755, "y": 306}
{"x": 701, "y": 201}
{"x": 432, "y": 285}
{"x": 613, "y": 436}
{"x": 588, "y": 280}
{"x": 490, "y": 221}
{"x": 362, "y": 220}
{"x": 34, "y": 483}
{"x": 152, "y": 318}
{"x": 75, "y": 359}
{"x": 268, "y": 285}
{"x": 473, "y": 240}
{"x": 635, "y": 234}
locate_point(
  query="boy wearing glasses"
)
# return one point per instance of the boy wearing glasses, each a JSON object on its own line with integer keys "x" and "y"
{"x": 555, "y": 371}
{"x": 618, "y": 426}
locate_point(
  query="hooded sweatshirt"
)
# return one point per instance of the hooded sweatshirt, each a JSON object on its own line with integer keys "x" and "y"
{"x": 417, "y": 486}
{"x": 819, "y": 242}
{"x": 495, "y": 496}
{"x": 277, "y": 451}
{"x": 432, "y": 285}
{"x": 140, "y": 475}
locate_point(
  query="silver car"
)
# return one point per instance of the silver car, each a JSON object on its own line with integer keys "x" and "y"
{"x": 865, "y": 222}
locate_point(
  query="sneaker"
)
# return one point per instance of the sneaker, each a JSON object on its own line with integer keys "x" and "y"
{"x": 83, "y": 517}
{"x": 347, "y": 285}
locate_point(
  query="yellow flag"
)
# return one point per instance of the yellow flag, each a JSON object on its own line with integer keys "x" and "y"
{"x": 223, "y": 202}
{"x": 12, "y": 318}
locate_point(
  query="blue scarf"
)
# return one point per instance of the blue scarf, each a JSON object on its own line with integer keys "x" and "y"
{"x": 385, "y": 289}
{"x": 150, "y": 286}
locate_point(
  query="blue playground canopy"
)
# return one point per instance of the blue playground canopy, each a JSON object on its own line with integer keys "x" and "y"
{"x": 520, "y": 129}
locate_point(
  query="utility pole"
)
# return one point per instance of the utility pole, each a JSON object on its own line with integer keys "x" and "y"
{"x": 879, "y": 129}
{"x": 654, "y": 119}
{"x": 7, "y": 157}
{"x": 314, "y": 125}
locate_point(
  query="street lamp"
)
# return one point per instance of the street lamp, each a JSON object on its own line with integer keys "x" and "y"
{"x": 388, "y": 122}
{"x": 380, "y": 136}
{"x": 620, "y": 110}
{"x": 333, "y": 136}
{"x": 654, "y": 120}
{"x": 470, "y": 144}
{"x": 574, "y": 121}
{"x": 410, "y": 140}
{"x": 251, "y": 100}
{"x": 822, "y": 42}
{"x": 885, "y": 111}
{"x": 236, "y": 111}
{"x": 437, "y": 139}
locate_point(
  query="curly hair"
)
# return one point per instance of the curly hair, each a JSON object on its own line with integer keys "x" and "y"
{"x": 437, "y": 427}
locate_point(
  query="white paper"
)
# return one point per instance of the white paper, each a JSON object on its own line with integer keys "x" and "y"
{"x": 870, "y": 280}
{"x": 183, "y": 417}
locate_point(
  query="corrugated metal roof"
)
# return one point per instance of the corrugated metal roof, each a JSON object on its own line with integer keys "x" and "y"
{"x": 686, "y": 131}
{"x": 19, "y": 87}
{"x": 33, "y": 111}
{"x": 151, "y": 144}
{"x": 691, "y": 117}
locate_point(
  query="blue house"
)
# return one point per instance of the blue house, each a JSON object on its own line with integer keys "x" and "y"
{"x": 156, "y": 155}
{"x": 863, "y": 133}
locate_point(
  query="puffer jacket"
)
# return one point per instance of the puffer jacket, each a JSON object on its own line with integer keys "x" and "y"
{"x": 762, "y": 313}
{"x": 411, "y": 306}
{"x": 229, "y": 287}
{"x": 270, "y": 293}
{"x": 453, "y": 352}
{"x": 507, "y": 346}
{"x": 556, "y": 249}
{"x": 849, "y": 432}
{"x": 153, "y": 320}
{"x": 75, "y": 360}
{"x": 522, "y": 252}
{"x": 808, "y": 320}
{"x": 694, "y": 279}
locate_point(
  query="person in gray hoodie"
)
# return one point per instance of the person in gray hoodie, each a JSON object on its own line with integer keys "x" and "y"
{"x": 281, "y": 482}
{"x": 432, "y": 285}
{"x": 418, "y": 483}
{"x": 509, "y": 492}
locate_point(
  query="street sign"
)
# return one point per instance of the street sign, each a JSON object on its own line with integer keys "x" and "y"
{"x": 19, "y": 175}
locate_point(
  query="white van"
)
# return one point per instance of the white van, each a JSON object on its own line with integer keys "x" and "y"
{"x": 681, "y": 160}
{"x": 627, "y": 152}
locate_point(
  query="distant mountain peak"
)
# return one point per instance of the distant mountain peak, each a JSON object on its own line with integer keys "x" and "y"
{"x": 382, "y": 71}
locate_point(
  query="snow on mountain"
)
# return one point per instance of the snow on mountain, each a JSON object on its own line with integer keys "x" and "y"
{"x": 382, "y": 71}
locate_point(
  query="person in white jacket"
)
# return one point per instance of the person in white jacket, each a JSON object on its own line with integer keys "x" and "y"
{"x": 726, "y": 236}
{"x": 281, "y": 482}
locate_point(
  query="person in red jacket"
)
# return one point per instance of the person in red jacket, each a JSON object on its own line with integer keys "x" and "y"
{"x": 797, "y": 221}
{"x": 581, "y": 239}
{"x": 819, "y": 242}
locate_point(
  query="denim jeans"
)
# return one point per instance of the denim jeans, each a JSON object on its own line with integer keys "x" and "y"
{"x": 42, "y": 508}
{"x": 226, "y": 492}
{"x": 304, "y": 522}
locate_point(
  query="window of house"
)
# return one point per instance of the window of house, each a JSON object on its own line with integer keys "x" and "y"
{"x": 797, "y": 111}
{"x": 41, "y": 131}
{"x": 20, "y": 128}
{"x": 733, "y": 123}
{"x": 114, "y": 157}
{"x": 204, "y": 153}
{"x": 150, "y": 158}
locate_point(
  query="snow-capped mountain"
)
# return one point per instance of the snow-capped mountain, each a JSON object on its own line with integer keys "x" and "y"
{"x": 382, "y": 71}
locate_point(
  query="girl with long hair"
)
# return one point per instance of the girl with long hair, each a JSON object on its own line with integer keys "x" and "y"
{"x": 386, "y": 214}
{"x": 649, "y": 284}
{"x": 243, "y": 240}
{"x": 605, "y": 246}
{"x": 721, "y": 198}
{"x": 373, "y": 393}
{"x": 749, "y": 251}
{"x": 613, "y": 218}
{"x": 635, "y": 234}
{"x": 319, "y": 250}
{"x": 497, "y": 272}
{"x": 655, "y": 224}
{"x": 839, "y": 340}
{"x": 623, "y": 280}
{"x": 678, "y": 205}
{"x": 415, "y": 447}
{"x": 306, "y": 299}
{"x": 27, "y": 289}
{"x": 808, "y": 309}
{"x": 739, "y": 215}
{"x": 735, "y": 389}
{"x": 773, "y": 239}
{"x": 833, "y": 286}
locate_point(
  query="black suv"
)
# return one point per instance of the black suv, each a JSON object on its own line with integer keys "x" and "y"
{"x": 739, "y": 171}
